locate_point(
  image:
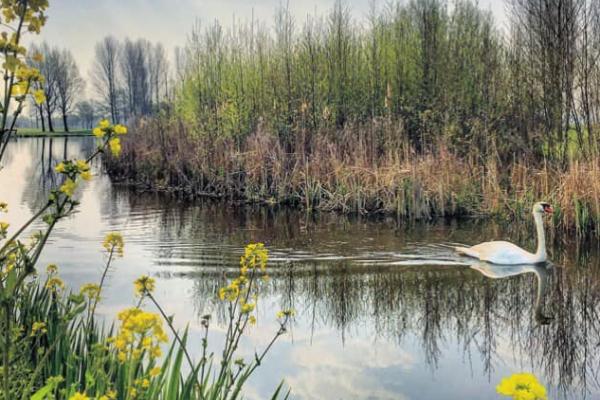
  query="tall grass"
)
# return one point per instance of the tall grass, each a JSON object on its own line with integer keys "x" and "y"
{"x": 363, "y": 169}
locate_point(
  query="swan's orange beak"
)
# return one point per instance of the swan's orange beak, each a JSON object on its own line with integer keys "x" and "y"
{"x": 549, "y": 209}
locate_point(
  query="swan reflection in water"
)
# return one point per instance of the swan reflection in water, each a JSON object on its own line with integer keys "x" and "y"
{"x": 541, "y": 271}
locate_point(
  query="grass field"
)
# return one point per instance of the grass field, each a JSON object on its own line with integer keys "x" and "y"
{"x": 34, "y": 132}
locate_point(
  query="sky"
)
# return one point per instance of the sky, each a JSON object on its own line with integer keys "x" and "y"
{"x": 79, "y": 24}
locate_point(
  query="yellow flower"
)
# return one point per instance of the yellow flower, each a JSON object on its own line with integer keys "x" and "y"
{"x": 98, "y": 132}
{"x": 69, "y": 187}
{"x": 79, "y": 396}
{"x": 39, "y": 96}
{"x": 37, "y": 57}
{"x": 111, "y": 394}
{"x": 3, "y": 227}
{"x": 91, "y": 290}
{"x": 120, "y": 129}
{"x": 279, "y": 314}
{"x": 104, "y": 123}
{"x": 38, "y": 326}
{"x": 133, "y": 392}
{"x": 55, "y": 283}
{"x": 247, "y": 308}
{"x": 144, "y": 284}
{"x": 3, "y": 206}
{"x": 155, "y": 371}
{"x": 60, "y": 168}
{"x": 82, "y": 165}
{"x": 86, "y": 176}
{"x": 522, "y": 387}
{"x": 145, "y": 383}
{"x": 51, "y": 269}
{"x": 114, "y": 242}
{"x": 115, "y": 146}
{"x": 252, "y": 320}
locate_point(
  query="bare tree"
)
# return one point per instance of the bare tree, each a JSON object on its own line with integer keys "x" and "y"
{"x": 49, "y": 67}
{"x": 86, "y": 111}
{"x": 157, "y": 70}
{"x": 105, "y": 73}
{"x": 68, "y": 84}
{"x": 134, "y": 68}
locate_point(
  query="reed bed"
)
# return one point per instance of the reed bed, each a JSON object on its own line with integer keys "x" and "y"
{"x": 361, "y": 169}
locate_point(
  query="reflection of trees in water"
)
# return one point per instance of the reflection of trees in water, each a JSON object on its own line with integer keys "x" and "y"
{"x": 439, "y": 305}
{"x": 45, "y": 154}
{"x": 488, "y": 318}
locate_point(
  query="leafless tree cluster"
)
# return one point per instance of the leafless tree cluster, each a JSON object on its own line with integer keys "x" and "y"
{"x": 554, "y": 55}
{"x": 131, "y": 77}
{"x": 62, "y": 85}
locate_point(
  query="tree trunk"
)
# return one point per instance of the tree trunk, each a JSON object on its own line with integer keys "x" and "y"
{"x": 41, "y": 110}
{"x": 65, "y": 122}
{"x": 50, "y": 126}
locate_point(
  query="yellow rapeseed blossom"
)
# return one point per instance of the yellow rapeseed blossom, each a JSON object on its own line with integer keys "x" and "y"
{"x": 3, "y": 227}
{"x": 247, "y": 308}
{"x": 38, "y": 327}
{"x": 60, "y": 168}
{"x": 86, "y": 176}
{"x": 91, "y": 291}
{"x": 255, "y": 255}
{"x": 523, "y": 386}
{"x": 79, "y": 396}
{"x": 287, "y": 313}
{"x": 136, "y": 327}
{"x": 115, "y": 146}
{"x": 155, "y": 371}
{"x": 144, "y": 284}
{"x": 114, "y": 242}
{"x": 39, "y": 96}
{"x": 120, "y": 129}
{"x": 55, "y": 283}
{"x": 98, "y": 132}
{"x": 252, "y": 320}
{"x": 111, "y": 394}
{"x": 51, "y": 269}
{"x": 69, "y": 187}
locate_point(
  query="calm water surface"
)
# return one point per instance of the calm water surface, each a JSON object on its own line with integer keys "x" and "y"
{"x": 384, "y": 309}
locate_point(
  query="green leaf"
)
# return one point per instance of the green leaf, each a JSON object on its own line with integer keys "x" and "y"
{"x": 42, "y": 393}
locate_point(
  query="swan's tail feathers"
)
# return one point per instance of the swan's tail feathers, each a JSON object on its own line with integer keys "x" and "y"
{"x": 467, "y": 252}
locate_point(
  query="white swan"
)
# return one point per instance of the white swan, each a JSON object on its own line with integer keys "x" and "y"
{"x": 509, "y": 254}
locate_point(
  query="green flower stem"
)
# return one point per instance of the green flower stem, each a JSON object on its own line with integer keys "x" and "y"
{"x": 6, "y": 361}
{"x": 22, "y": 228}
{"x": 8, "y": 87}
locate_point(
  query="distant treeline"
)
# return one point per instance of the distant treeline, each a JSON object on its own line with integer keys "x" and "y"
{"x": 422, "y": 108}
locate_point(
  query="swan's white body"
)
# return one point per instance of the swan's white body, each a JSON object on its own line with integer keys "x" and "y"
{"x": 509, "y": 254}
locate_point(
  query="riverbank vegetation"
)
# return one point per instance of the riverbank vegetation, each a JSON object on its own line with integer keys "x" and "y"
{"x": 421, "y": 109}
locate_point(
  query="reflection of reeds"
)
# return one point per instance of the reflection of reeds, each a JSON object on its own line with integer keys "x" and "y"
{"x": 444, "y": 304}
{"x": 359, "y": 172}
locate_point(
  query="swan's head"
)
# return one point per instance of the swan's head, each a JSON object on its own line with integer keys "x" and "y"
{"x": 542, "y": 207}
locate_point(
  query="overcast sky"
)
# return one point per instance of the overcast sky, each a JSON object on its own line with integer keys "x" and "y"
{"x": 79, "y": 24}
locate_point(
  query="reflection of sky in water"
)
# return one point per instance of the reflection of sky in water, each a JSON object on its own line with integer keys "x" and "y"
{"x": 384, "y": 310}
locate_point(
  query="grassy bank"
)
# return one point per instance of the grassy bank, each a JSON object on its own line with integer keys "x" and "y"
{"x": 59, "y": 350}
{"x": 364, "y": 169}
{"x": 33, "y": 132}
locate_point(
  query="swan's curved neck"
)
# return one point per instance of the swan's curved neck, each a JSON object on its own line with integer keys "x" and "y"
{"x": 540, "y": 254}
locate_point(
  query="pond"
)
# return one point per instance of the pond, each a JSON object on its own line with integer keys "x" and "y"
{"x": 384, "y": 308}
